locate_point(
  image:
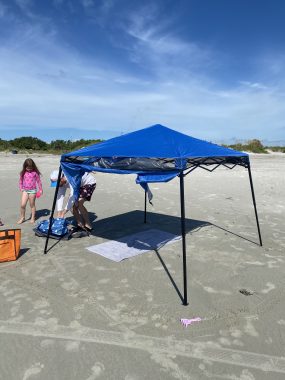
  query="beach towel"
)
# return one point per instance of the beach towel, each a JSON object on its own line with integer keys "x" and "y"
{"x": 133, "y": 245}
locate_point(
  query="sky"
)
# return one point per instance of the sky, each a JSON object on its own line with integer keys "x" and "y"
{"x": 213, "y": 69}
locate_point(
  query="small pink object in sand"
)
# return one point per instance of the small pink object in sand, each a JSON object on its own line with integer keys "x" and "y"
{"x": 185, "y": 322}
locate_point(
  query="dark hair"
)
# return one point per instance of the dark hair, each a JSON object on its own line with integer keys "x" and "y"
{"x": 29, "y": 163}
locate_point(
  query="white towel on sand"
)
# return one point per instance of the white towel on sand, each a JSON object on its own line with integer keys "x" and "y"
{"x": 133, "y": 245}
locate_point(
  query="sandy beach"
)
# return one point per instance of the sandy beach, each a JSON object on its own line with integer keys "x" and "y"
{"x": 74, "y": 315}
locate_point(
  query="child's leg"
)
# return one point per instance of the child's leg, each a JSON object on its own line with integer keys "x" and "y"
{"x": 77, "y": 216}
{"x": 84, "y": 213}
{"x": 60, "y": 200}
{"x": 24, "y": 200}
{"x": 32, "y": 200}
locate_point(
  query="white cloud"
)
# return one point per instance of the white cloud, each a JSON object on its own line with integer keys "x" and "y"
{"x": 254, "y": 85}
{"x": 152, "y": 44}
{"x": 86, "y": 97}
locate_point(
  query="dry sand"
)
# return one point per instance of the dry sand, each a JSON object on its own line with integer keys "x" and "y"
{"x": 72, "y": 314}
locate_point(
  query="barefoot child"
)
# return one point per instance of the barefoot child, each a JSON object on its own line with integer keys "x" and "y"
{"x": 29, "y": 183}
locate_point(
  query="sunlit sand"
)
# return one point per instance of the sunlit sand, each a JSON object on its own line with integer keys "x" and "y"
{"x": 72, "y": 314}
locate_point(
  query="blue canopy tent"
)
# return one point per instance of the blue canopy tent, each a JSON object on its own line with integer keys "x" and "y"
{"x": 154, "y": 154}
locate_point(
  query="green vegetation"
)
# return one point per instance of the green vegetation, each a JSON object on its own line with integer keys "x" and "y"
{"x": 33, "y": 144}
{"x": 280, "y": 149}
{"x": 254, "y": 146}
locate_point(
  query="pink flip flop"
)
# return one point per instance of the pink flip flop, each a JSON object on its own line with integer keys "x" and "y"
{"x": 185, "y": 322}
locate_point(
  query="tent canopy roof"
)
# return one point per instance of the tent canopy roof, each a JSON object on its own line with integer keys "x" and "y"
{"x": 155, "y": 154}
{"x": 156, "y": 141}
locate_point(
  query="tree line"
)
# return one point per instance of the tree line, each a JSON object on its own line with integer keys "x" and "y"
{"x": 23, "y": 144}
{"x": 28, "y": 143}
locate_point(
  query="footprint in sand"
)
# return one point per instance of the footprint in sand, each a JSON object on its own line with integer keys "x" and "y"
{"x": 34, "y": 370}
{"x": 97, "y": 370}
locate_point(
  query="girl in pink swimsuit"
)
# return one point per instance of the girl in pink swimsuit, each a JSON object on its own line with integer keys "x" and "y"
{"x": 29, "y": 184}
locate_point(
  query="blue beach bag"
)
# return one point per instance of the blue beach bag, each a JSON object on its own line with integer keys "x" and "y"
{"x": 58, "y": 228}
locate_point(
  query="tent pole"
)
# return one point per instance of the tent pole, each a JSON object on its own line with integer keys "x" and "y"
{"x": 145, "y": 206}
{"x": 254, "y": 203}
{"x": 182, "y": 205}
{"x": 53, "y": 207}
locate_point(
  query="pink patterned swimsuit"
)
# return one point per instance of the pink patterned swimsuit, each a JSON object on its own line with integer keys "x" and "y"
{"x": 30, "y": 182}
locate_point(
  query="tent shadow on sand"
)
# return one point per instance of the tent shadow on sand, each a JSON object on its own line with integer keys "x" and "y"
{"x": 118, "y": 226}
{"x": 42, "y": 213}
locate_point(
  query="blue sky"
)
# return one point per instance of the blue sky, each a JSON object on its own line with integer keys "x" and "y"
{"x": 213, "y": 69}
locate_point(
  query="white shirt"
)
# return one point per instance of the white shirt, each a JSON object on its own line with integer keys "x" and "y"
{"x": 88, "y": 179}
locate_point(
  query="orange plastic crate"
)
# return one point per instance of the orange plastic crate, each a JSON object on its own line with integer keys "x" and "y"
{"x": 10, "y": 244}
